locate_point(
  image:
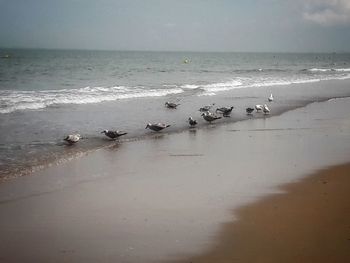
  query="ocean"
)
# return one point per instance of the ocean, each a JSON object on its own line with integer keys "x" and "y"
{"x": 47, "y": 94}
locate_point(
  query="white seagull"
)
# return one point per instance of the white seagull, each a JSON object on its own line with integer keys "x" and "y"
{"x": 270, "y": 98}
{"x": 266, "y": 109}
{"x": 258, "y": 107}
{"x": 72, "y": 138}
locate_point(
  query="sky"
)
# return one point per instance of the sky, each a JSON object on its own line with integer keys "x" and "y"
{"x": 177, "y": 25}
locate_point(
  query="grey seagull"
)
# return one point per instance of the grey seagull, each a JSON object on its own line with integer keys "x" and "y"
{"x": 157, "y": 126}
{"x": 209, "y": 117}
{"x": 192, "y": 122}
{"x": 171, "y": 105}
{"x": 225, "y": 111}
{"x": 113, "y": 134}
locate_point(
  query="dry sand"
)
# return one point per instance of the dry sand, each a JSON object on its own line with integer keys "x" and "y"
{"x": 311, "y": 223}
{"x": 171, "y": 196}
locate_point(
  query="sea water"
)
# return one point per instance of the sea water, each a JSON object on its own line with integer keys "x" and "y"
{"x": 46, "y": 94}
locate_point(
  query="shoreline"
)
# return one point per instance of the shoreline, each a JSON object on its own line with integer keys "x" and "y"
{"x": 94, "y": 142}
{"x": 308, "y": 222}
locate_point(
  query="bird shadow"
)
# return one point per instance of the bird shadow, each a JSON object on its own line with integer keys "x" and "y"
{"x": 192, "y": 130}
{"x": 158, "y": 136}
{"x": 114, "y": 146}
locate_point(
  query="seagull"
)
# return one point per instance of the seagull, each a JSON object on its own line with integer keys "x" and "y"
{"x": 209, "y": 117}
{"x": 266, "y": 109}
{"x": 192, "y": 122}
{"x": 249, "y": 110}
{"x": 225, "y": 111}
{"x": 72, "y": 138}
{"x": 270, "y": 98}
{"x": 157, "y": 126}
{"x": 113, "y": 134}
{"x": 258, "y": 107}
{"x": 206, "y": 108}
{"x": 171, "y": 105}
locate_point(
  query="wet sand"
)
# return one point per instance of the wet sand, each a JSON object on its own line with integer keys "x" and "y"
{"x": 309, "y": 223}
{"x": 170, "y": 196}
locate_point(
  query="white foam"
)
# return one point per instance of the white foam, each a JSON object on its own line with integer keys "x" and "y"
{"x": 190, "y": 86}
{"x": 301, "y": 81}
{"x": 32, "y": 106}
{"x": 207, "y": 94}
{"x": 343, "y": 69}
{"x": 222, "y": 86}
{"x": 211, "y": 89}
{"x": 329, "y": 69}
{"x": 32, "y": 100}
{"x": 14, "y": 100}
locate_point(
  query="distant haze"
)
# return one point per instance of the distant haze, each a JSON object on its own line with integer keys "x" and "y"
{"x": 177, "y": 25}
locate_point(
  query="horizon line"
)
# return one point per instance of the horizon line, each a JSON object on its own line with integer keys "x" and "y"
{"x": 174, "y": 51}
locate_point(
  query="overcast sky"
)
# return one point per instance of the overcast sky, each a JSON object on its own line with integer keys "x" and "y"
{"x": 185, "y": 25}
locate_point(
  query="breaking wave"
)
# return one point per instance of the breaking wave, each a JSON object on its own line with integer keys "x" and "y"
{"x": 17, "y": 100}
{"x": 11, "y": 101}
{"x": 328, "y": 70}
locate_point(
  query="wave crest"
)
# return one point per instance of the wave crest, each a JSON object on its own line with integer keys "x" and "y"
{"x": 328, "y": 70}
{"x": 11, "y": 101}
{"x": 15, "y": 100}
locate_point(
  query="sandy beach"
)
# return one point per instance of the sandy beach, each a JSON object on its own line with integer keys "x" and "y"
{"x": 192, "y": 195}
{"x": 308, "y": 223}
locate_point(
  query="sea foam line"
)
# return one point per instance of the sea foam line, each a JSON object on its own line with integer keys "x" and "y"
{"x": 11, "y": 101}
{"x": 329, "y": 69}
{"x": 210, "y": 90}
